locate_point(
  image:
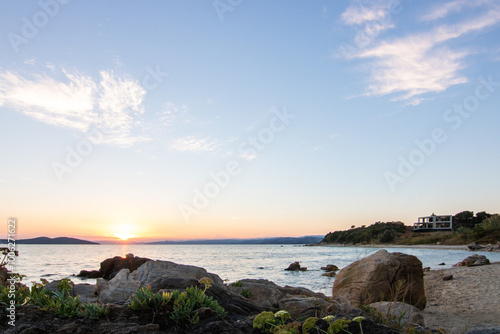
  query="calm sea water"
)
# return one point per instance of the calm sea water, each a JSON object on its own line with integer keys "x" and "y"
{"x": 230, "y": 262}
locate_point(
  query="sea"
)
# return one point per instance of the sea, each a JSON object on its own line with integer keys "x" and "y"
{"x": 230, "y": 262}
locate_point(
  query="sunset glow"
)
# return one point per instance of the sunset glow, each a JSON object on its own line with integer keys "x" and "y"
{"x": 173, "y": 120}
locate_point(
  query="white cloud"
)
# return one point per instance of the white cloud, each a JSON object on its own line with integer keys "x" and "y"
{"x": 438, "y": 12}
{"x": 359, "y": 14}
{"x": 193, "y": 144}
{"x": 113, "y": 105}
{"x": 421, "y": 63}
{"x": 171, "y": 113}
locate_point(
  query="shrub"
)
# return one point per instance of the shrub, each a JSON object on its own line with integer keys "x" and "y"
{"x": 246, "y": 293}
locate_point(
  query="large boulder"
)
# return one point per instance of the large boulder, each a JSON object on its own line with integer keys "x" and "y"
{"x": 268, "y": 295}
{"x": 157, "y": 274}
{"x": 382, "y": 276}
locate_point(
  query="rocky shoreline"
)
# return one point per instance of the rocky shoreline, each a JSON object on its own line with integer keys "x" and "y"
{"x": 244, "y": 301}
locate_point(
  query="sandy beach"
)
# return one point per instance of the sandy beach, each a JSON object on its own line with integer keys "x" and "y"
{"x": 470, "y": 299}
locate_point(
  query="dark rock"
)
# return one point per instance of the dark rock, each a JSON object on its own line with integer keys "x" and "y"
{"x": 382, "y": 276}
{"x": 90, "y": 273}
{"x": 111, "y": 267}
{"x": 427, "y": 269}
{"x": 295, "y": 266}
{"x": 330, "y": 267}
{"x": 473, "y": 260}
{"x": 447, "y": 278}
{"x": 442, "y": 264}
{"x": 329, "y": 274}
{"x": 172, "y": 283}
{"x": 474, "y": 246}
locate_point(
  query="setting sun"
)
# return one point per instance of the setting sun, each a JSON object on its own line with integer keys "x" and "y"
{"x": 124, "y": 231}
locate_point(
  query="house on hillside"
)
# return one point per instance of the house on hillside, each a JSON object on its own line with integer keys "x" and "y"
{"x": 434, "y": 223}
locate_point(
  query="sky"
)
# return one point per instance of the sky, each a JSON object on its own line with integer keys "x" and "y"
{"x": 165, "y": 120}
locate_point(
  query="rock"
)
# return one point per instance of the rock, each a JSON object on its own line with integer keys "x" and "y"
{"x": 330, "y": 267}
{"x": 329, "y": 274}
{"x": 427, "y": 269}
{"x": 447, "y": 278}
{"x": 86, "y": 292}
{"x": 233, "y": 303}
{"x": 473, "y": 260}
{"x": 406, "y": 314}
{"x": 297, "y": 306}
{"x": 153, "y": 270}
{"x": 157, "y": 274}
{"x": 119, "y": 289}
{"x": 90, "y": 273}
{"x": 111, "y": 267}
{"x": 474, "y": 246}
{"x": 442, "y": 264}
{"x": 265, "y": 293}
{"x": 382, "y": 276}
{"x": 484, "y": 330}
{"x": 296, "y": 267}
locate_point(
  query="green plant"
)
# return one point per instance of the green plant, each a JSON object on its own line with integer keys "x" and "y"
{"x": 491, "y": 224}
{"x": 237, "y": 284}
{"x": 388, "y": 318}
{"x": 309, "y": 324}
{"x": 93, "y": 311}
{"x": 144, "y": 299}
{"x": 265, "y": 321}
{"x": 63, "y": 305}
{"x": 359, "y": 320}
{"x": 246, "y": 293}
{"x": 338, "y": 326}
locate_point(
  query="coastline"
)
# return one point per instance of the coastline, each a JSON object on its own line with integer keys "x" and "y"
{"x": 445, "y": 247}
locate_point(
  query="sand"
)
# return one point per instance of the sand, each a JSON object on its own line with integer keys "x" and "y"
{"x": 469, "y": 300}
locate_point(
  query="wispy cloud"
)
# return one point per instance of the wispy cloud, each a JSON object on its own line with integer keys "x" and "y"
{"x": 421, "y": 63}
{"x": 193, "y": 144}
{"x": 112, "y": 105}
{"x": 443, "y": 10}
{"x": 374, "y": 14}
{"x": 172, "y": 113}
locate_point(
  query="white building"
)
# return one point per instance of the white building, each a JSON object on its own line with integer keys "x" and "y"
{"x": 434, "y": 223}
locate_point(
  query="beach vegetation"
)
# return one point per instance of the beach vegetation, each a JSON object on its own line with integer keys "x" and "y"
{"x": 237, "y": 284}
{"x": 179, "y": 306}
{"x": 246, "y": 293}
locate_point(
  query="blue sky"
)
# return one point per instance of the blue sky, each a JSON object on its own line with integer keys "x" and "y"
{"x": 245, "y": 119}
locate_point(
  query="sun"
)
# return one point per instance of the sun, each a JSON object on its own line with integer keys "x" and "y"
{"x": 124, "y": 231}
{"x": 123, "y": 235}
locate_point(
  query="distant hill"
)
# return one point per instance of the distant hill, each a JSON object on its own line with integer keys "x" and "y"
{"x": 310, "y": 239}
{"x": 52, "y": 241}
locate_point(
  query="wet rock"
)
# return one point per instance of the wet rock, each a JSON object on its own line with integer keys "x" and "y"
{"x": 330, "y": 267}
{"x": 295, "y": 266}
{"x": 90, "y": 273}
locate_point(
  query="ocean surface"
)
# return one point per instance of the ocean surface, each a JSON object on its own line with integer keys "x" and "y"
{"x": 230, "y": 262}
